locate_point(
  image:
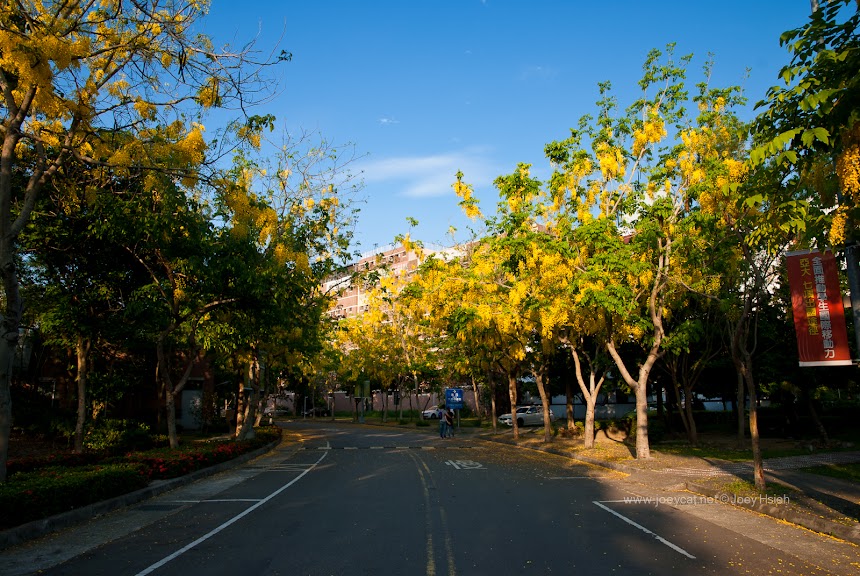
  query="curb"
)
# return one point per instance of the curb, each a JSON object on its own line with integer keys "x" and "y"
{"x": 822, "y": 525}
{"x": 39, "y": 528}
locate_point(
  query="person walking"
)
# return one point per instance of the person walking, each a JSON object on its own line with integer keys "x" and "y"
{"x": 449, "y": 423}
{"x": 442, "y": 425}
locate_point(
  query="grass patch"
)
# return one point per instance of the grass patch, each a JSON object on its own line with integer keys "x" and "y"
{"x": 615, "y": 452}
{"x": 725, "y": 453}
{"x": 740, "y": 487}
{"x": 850, "y": 472}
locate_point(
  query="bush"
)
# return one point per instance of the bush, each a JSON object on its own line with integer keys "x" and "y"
{"x": 40, "y": 487}
{"x": 164, "y": 463}
{"x": 28, "y": 496}
{"x": 656, "y": 427}
{"x": 68, "y": 460}
{"x": 116, "y": 436}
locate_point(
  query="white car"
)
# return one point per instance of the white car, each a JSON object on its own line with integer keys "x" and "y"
{"x": 527, "y": 416}
{"x": 432, "y": 414}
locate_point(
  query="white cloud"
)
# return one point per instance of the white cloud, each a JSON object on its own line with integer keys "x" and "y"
{"x": 429, "y": 176}
{"x": 386, "y": 121}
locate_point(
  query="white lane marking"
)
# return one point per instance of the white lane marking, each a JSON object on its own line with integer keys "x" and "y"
{"x": 465, "y": 465}
{"x": 214, "y": 500}
{"x": 234, "y": 519}
{"x": 660, "y": 539}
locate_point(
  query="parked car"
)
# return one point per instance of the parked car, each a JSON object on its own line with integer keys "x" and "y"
{"x": 432, "y": 414}
{"x": 527, "y": 416}
{"x": 316, "y": 411}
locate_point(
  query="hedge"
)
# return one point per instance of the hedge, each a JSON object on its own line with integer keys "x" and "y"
{"x": 33, "y": 495}
{"x": 40, "y": 487}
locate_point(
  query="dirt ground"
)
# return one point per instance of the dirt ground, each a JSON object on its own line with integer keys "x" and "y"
{"x": 23, "y": 446}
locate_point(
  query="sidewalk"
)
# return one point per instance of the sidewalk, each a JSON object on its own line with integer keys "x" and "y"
{"x": 819, "y": 503}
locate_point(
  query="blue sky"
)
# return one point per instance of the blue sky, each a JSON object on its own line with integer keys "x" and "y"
{"x": 424, "y": 88}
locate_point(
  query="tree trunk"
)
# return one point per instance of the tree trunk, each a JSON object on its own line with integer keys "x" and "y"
{"x": 813, "y": 413}
{"x": 493, "y": 410}
{"x": 741, "y": 404}
{"x": 477, "y": 398}
{"x": 640, "y": 389}
{"x": 589, "y": 392}
{"x": 682, "y": 412}
{"x": 643, "y": 448}
{"x": 743, "y": 364}
{"x": 10, "y": 319}
{"x": 512, "y": 394}
{"x": 590, "y": 403}
{"x": 82, "y": 349}
{"x": 247, "y": 430}
{"x": 8, "y": 346}
{"x": 263, "y": 391}
{"x": 692, "y": 432}
{"x": 540, "y": 377}
{"x": 758, "y": 464}
{"x": 568, "y": 405}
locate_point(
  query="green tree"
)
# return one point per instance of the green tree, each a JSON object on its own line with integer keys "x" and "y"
{"x": 68, "y": 72}
{"x": 76, "y": 276}
{"x": 809, "y": 126}
{"x": 624, "y": 194}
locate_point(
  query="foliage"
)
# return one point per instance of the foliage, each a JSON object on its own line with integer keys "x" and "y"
{"x": 33, "y": 495}
{"x": 60, "y": 460}
{"x": 41, "y": 487}
{"x": 167, "y": 463}
{"x": 114, "y": 86}
{"x": 114, "y": 436}
{"x": 810, "y": 122}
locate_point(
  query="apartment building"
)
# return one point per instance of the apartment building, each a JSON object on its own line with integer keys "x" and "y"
{"x": 352, "y": 298}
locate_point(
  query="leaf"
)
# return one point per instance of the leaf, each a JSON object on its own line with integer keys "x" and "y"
{"x": 810, "y": 135}
{"x": 753, "y": 201}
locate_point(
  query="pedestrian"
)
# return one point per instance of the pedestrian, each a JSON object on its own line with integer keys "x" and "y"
{"x": 442, "y": 425}
{"x": 449, "y": 423}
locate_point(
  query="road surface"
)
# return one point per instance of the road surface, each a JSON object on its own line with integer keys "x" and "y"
{"x": 352, "y": 500}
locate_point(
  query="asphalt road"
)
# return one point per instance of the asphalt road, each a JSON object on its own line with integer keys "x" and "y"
{"x": 354, "y": 500}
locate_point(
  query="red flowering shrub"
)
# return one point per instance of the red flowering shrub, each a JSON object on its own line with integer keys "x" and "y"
{"x": 41, "y": 487}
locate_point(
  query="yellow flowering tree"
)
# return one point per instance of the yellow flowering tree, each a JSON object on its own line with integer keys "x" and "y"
{"x": 72, "y": 75}
{"x": 622, "y": 196}
{"x": 291, "y": 208}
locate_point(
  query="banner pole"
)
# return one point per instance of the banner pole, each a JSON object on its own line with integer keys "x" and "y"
{"x": 853, "y": 266}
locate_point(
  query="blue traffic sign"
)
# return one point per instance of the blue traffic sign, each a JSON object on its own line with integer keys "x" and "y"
{"x": 454, "y": 398}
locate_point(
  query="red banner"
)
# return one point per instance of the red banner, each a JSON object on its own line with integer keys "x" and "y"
{"x": 816, "y": 299}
